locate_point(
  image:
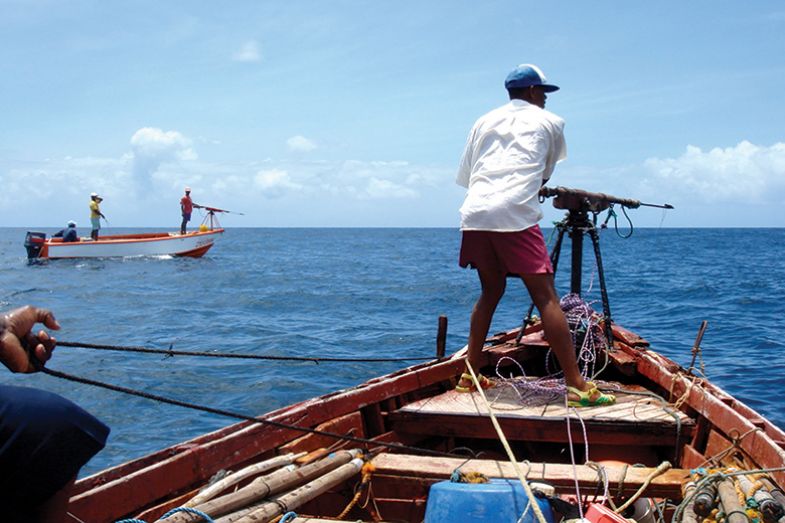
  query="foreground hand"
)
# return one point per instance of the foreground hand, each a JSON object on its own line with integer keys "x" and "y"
{"x": 16, "y": 338}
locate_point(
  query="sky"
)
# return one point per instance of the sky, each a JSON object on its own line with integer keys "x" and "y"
{"x": 307, "y": 113}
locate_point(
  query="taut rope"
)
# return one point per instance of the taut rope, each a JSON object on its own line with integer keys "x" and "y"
{"x": 170, "y": 353}
{"x": 244, "y": 417}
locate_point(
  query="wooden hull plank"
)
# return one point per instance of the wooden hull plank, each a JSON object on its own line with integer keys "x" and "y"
{"x": 707, "y": 401}
{"x": 143, "y": 482}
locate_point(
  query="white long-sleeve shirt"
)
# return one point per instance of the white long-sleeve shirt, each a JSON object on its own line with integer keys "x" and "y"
{"x": 510, "y": 153}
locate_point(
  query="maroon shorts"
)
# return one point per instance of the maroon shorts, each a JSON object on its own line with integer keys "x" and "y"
{"x": 519, "y": 252}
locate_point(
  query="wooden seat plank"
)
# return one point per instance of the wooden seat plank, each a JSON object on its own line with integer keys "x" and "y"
{"x": 561, "y": 476}
{"x": 633, "y": 420}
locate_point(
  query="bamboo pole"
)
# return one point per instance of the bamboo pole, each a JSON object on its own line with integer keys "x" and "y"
{"x": 734, "y": 512}
{"x": 774, "y": 490}
{"x": 216, "y": 488}
{"x": 265, "y": 486}
{"x": 705, "y": 501}
{"x": 319, "y": 520}
{"x": 768, "y": 506}
{"x": 310, "y": 457}
{"x": 689, "y": 516}
{"x": 298, "y": 497}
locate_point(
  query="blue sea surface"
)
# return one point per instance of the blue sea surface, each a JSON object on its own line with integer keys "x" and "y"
{"x": 368, "y": 293}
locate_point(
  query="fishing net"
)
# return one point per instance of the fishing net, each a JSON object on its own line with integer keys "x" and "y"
{"x": 587, "y": 330}
{"x": 588, "y": 337}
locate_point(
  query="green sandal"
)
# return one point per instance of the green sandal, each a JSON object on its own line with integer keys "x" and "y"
{"x": 466, "y": 383}
{"x": 585, "y": 400}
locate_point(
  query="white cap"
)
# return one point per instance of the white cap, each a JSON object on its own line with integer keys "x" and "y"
{"x": 93, "y": 194}
{"x": 187, "y": 189}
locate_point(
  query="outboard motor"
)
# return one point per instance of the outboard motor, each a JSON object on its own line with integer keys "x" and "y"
{"x": 34, "y": 242}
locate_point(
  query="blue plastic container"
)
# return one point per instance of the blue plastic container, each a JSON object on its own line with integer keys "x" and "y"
{"x": 500, "y": 501}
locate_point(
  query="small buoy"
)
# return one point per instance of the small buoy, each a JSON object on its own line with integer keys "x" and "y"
{"x": 203, "y": 228}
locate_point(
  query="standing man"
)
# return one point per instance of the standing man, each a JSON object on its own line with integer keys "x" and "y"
{"x": 186, "y": 207}
{"x": 95, "y": 215}
{"x": 510, "y": 154}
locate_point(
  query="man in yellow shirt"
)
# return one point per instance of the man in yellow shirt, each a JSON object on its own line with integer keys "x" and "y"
{"x": 95, "y": 215}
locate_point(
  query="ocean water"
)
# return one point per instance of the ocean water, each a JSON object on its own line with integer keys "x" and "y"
{"x": 369, "y": 293}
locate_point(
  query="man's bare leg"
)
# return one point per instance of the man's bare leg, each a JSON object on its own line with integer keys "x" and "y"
{"x": 493, "y": 284}
{"x": 543, "y": 294}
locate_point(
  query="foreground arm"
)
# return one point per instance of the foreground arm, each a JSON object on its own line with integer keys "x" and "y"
{"x": 16, "y": 338}
{"x": 46, "y": 439}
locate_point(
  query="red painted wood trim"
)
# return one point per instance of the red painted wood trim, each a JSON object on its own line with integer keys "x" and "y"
{"x": 708, "y": 400}
{"x": 141, "y": 483}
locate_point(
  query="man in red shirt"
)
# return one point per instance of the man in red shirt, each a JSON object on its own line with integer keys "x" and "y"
{"x": 187, "y": 207}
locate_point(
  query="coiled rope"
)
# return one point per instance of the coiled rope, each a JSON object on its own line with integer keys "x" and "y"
{"x": 713, "y": 477}
{"x": 587, "y": 333}
{"x": 367, "y": 471}
{"x": 187, "y": 510}
{"x": 612, "y": 215}
{"x": 589, "y": 339}
{"x": 171, "y": 353}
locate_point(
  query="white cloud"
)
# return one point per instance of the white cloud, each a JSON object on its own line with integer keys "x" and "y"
{"x": 300, "y": 144}
{"x": 376, "y": 188}
{"x": 351, "y": 179}
{"x": 738, "y": 185}
{"x": 741, "y": 185}
{"x": 65, "y": 178}
{"x": 154, "y": 142}
{"x": 152, "y": 147}
{"x": 275, "y": 183}
{"x": 249, "y": 52}
{"x": 52, "y": 191}
{"x": 745, "y": 173}
{"x": 387, "y": 179}
{"x": 370, "y": 180}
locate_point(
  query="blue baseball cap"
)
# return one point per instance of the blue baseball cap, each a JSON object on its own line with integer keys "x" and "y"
{"x": 527, "y": 75}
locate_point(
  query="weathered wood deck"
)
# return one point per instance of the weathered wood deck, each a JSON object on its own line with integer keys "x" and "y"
{"x": 634, "y": 420}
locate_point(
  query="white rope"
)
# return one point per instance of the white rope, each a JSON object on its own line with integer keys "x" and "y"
{"x": 532, "y": 499}
{"x": 572, "y": 452}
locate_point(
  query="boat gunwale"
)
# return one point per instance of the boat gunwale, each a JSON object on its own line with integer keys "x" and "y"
{"x": 238, "y": 442}
{"x": 728, "y": 418}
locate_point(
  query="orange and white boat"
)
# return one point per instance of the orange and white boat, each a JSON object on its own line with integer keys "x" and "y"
{"x": 192, "y": 244}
